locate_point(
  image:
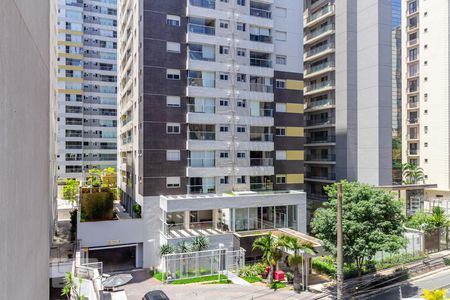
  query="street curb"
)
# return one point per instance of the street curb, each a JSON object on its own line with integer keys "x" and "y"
{"x": 429, "y": 274}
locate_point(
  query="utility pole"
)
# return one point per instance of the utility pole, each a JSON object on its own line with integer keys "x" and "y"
{"x": 340, "y": 254}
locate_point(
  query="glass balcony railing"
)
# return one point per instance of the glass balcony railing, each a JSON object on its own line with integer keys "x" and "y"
{"x": 261, "y": 137}
{"x": 318, "y": 122}
{"x": 321, "y": 176}
{"x": 202, "y": 135}
{"x": 204, "y": 3}
{"x": 331, "y": 157}
{"x": 319, "y": 13}
{"x": 199, "y": 108}
{"x": 202, "y": 82}
{"x": 261, "y": 38}
{"x": 199, "y": 55}
{"x": 261, "y": 13}
{"x": 201, "y": 162}
{"x": 261, "y": 62}
{"x": 318, "y": 86}
{"x": 258, "y": 187}
{"x": 318, "y": 68}
{"x": 321, "y": 139}
{"x": 259, "y": 87}
{"x": 319, "y": 49}
{"x": 319, "y": 31}
{"x": 319, "y": 103}
{"x": 261, "y": 162}
{"x": 202, "y": 29}
{"x": 200, "y": 189}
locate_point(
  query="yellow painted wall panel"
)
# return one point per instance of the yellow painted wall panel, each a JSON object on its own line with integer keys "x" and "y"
{"x": 295, "y": 178}
{"x": 72, "y": 92}
{"x": 77, "y": 68}
{"x": 295, "y": 84}
{"x": 70, "y": 79}
{"x": 295, "y": 155}
{"x": 70, "y": 55}
{"x": 295, "y": 108}
{"x": 70, "y": 44}
{"x": 295, "y": 131}
{"x": 68, "y": 31}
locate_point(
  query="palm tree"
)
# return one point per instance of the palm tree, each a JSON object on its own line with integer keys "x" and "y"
{"x": 271, "y": 253}
{"x": 72, "y": 290}
{"x": 166, "y": 249}
{"x": 439, "y": 217}
{"x": 412, "y": 174}
{"x": 295, "y": 258}
{"x": 184, "y": 247}
{"x": 199, "y": 243}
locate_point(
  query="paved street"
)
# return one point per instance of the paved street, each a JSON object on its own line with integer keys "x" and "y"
{"x": 141, "y": 285}
{"x": 413, "y": 288}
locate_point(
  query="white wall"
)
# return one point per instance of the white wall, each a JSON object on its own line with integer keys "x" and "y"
{"x": 106, "y": 233}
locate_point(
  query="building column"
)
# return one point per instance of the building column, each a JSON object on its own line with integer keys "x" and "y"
{"x": 214, "y": 218}
{"x": 187, "y": 220}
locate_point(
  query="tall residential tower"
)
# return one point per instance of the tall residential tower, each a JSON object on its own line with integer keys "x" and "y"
{"x": 211, "y": 117}
{"x": 348, "y": 93}
{"x": 87, "y": 99}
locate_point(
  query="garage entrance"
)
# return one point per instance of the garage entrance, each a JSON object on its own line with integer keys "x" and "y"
{"x": 115, "y": 259}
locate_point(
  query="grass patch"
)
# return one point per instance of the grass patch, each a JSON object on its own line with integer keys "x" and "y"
{"x": 158, "y": 276}
{"x": 277, "y": 285}
{"x": 200, "y": 279}
{"x": 228, "y": 281}
{"x": 253, "y": 279}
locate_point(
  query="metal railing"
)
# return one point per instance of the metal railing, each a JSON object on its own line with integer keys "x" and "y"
{"x": 329, "y": 176}
{"x": 318, "y": 86}
{"x": 320, "y": 31}
{"x": 321, "y": 140}
{"x": 319, "y": 103}
{"x": 204, "y": 3}
{"x": 259, "y": 87}
{"x": 202, "y": 29}
{"x": 318, "y": 68}
{"x": 261, "y": 13}
{"x": 331, "y": 157}
{"x": 326, "y": 121}
{"x": 201, "y": 162}
{"x": 261, "y": 162}
{"x": 319, "y": 49}
{"x": 201, "y": 82}
{"x": 260, "y": 62}
{"x": 261, "y": 137}
{"x": 200, "y": 108}
{"x": 202, "y": 135}
{"x": 412, "y": 136}
{"x": 413, "y": 104}
{"x": 413, "y": 151}
{"x": 413, "y": 121}
{"x": 319, "y": 13}
{"x": 261, "y": 38}
{"x": 200, "y": 189}
{"x": 261, "y": 186}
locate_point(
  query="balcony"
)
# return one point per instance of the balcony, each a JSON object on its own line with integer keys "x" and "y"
{"x": 210, "y": 83}
{"x": 317, "y": 69}
{"x": 321, "y": 176}
{"x": 259, "y": 187}
{"x": 413, "y": 104}
{"x": 260, "y": 62}
{"x": 199, "y": 55}
{"x": 201, "y": 162}
{"x": 199, "y": 108}
{"x": 201, "y": 29}
{"x": 261, "y": 162}
{"x": 327, "y": 10}
{"x": 320, "y": 104}
{"x": 211, "y": 4}
{"x": 414, "y": 136}
{"x": 318, "y": 32}
{"x": 321, "y": 158}
{"x": 180, "y": 230}
{"x": 261, "y": 137}
{"x": 314, "y": 52}
{"x": 320, "y": 122}
{"x": 260, "y": 13}
{"x": 202, "y": 135}
{"x": 201, "y": 189}
{"x": 413, "y": 152}
{"x": 261, "y": 38}
{"x": 321, "y": 140}
{"x": 319, "y": 87}
{"x": 413, "y": 121}
{"x": 262, "y": 88}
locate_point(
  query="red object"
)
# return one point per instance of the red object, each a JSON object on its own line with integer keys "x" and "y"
{"x": 267, "y": 270}
{"x": 279, "y": 275}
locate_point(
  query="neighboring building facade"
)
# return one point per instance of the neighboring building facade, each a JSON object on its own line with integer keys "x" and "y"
{"x": 396, "y": 92}
{"x": 28, "y": 123}
{"x": 211, "y": 118}
{"x": 87, "y": 82}
{"x": 425, "y": 117}
{"x": 347, "y": 93}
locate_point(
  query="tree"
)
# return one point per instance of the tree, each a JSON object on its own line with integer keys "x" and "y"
{"x": 439, "y": 218}
{"x": 71, "y": 289}
{"x": 95, "y": 180}
{"x": 70, "y": 190}
{"x": 271, "y": 253}
{"x": 412, "y": 174}
{"x": 295, "y": 259}
{"x": 184, "y": 247}
{"x": 420, "y": 221}
{"x": 166, "y": 249}
{"x": 372, "y": 222}
{"x": 200, "y": 243}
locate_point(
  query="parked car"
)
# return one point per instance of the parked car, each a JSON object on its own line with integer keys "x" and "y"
{"x": 155, "y": 295}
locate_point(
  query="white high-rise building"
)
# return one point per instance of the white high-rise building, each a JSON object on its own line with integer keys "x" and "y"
{"x": 87, "y": 76}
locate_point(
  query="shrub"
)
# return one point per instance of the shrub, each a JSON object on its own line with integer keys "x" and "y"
{"x": 97, "y": 206}
{"x": 326, "y": 265}
{"x": 252, "y": 270}
{"x": 289, "y": 277}
{"x": 137, "y": 210}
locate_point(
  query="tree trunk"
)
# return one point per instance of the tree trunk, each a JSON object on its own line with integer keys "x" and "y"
{"x": 270, "y": 275}
{"x": 297, "y": 285}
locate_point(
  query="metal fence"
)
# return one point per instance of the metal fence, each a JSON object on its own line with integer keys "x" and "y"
{"x": 414, "y": 247}
{"x": 202, "y": 263}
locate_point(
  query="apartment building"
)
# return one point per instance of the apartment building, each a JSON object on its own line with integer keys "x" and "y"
{"x": 28, "y": 132}
{"x": 396, "y": 92}
{"x": 87, "y": 85}
{"x": 348, "y": 93}
{"x": 211, "y": 118}
{"x": 425, "y": 118}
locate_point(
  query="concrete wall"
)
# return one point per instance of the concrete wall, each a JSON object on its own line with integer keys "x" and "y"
{"x": 106, "y": 233}
{"x": 24, "y": 145}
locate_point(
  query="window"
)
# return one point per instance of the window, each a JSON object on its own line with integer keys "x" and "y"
{"x": 240, "y": 155}
{"x": 241, "y": 103}
{"x": 280, "y": 107}
{"x": 412, "y": 7}
{"x": 173, "y": 47}
{"x": 425, "y": 97}
{"x": 241, "y": 77}
{"x": 281, "y": 179}
{"x": 426, "y": 160}
{"x": 223, "y": 102}
{"x": 412, "y": 55}
{"x": 224, "y": 50}
{"x": 173, "y": 155}
{"x": 280, "y": 36}
{"x": 224, "y": 154}
{"x": 224, "y": 1}
{"x": 240, "y": 180}
{"x": 240, "y": 52}
{"x": 173, "y": 182}
{"x": 240, "y": 129}
{"x": 280, "y": 84}
{"x": 173, "y": 128}
{"x": 425, "y": 129}
{"x": 173, "y": 74}
{"x": 240, "y": 2}
{"x": 224, "y": 128}
{"x": 173, "y": 101}
{"x": 426, "y": 112}
{"x": 280, "y": 155}
{"x": 280, "y": 131}
{"x": 224, "y": 180}
{"x": 425, "y": 144}
{"x": 281, "y": 60}
{"x": 240, "y": 26}
{"x": 223, "y": 76}
{"x": 173, "y": 20}
{"x": 224, "y": 24}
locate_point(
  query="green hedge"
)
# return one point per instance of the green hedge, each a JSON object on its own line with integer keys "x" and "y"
{"x": 97, "y": 206}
